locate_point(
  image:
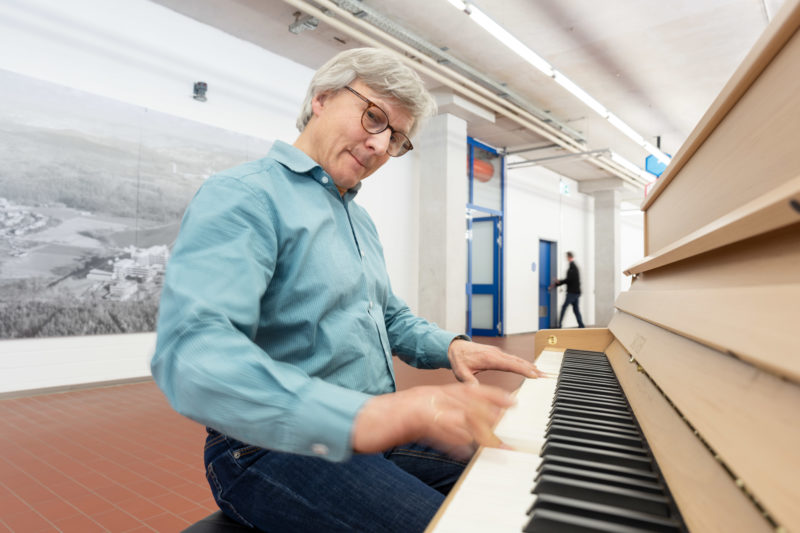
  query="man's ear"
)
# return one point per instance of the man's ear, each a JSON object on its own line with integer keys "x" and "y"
{"x": 318, "y": 102}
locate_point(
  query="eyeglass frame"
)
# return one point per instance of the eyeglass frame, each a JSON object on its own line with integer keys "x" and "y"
{"x": 371, "y": 104}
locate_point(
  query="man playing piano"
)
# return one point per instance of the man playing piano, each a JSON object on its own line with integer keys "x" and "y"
{"x": 278, "y": 323}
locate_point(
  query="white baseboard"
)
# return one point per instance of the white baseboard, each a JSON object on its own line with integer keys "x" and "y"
{"x": 59, "y": 362}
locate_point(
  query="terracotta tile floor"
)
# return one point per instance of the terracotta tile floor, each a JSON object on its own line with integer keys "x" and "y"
{"x": 105, "y": 459}
{"x": 110, "y": 459}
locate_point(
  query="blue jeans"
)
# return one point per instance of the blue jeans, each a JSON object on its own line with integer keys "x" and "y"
{"x": 399, "y": 490}
{"x": 572, "y": 299}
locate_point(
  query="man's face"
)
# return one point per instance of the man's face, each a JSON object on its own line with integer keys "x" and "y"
{"x": 339, "y": 142}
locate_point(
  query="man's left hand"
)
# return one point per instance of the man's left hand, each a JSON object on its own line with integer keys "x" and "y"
{"x": 469, "y": 358}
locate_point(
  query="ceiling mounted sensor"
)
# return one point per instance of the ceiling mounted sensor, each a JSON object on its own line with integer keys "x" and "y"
{"x": 200, "y": 88}
{"x": 302, "y": 23}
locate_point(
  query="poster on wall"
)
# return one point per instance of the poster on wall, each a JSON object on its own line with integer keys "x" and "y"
{"x": 92, "y": 192}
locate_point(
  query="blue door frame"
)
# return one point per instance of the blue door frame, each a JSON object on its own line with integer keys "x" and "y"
{"x": 486, "y": 215}
{"x": 548, "y": 302}
{"x": 493, "y": 288}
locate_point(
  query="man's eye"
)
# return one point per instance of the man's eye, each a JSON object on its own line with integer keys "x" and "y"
{"x": 375, "y": 117}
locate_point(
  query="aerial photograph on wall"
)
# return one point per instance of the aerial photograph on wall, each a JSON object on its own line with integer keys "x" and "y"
{"x": 92, "y": 192}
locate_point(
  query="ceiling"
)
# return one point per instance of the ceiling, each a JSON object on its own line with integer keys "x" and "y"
{"x": 656, "y": 64}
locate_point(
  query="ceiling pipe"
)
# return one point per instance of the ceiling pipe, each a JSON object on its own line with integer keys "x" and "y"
{"x": 460, "y": 84}
{"x": 375, "y": 18}
{"x": 539, "y": 161}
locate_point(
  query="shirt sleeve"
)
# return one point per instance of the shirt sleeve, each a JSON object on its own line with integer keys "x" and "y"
{"x": 206, "y": 361}
{"x": 414, "y": 340}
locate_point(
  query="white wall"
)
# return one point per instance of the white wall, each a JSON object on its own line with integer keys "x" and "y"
{"x": 535, "y": 209}
{"x": 143, "y": 54}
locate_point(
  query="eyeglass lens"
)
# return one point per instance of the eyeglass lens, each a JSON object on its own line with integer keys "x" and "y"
{"x": 374, "y": 120}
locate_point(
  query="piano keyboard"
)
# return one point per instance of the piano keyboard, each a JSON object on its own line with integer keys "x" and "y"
{"x": 579, "y": 461}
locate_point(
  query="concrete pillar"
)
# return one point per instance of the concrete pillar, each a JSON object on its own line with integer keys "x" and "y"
{"x": 607, "y": 195}
{"x": 606, "y": 254}
{"x": 442, "y": 146}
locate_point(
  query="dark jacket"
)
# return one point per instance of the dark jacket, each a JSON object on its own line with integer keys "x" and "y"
{"x": 573, "y": 279}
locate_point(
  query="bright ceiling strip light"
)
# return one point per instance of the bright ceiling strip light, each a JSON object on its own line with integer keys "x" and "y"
{"x": 582, "y": 95}
{"x": 506, "y": 38}
{"x": 621, "y": 161}
{"x": 617, "y": 122}
{"x": 541, "y": 64}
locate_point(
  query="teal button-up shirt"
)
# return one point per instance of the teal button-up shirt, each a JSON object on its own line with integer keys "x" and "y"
{"x": 277, "y": 319}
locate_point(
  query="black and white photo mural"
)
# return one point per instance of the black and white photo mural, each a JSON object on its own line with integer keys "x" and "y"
{"x": 92, "y": 192}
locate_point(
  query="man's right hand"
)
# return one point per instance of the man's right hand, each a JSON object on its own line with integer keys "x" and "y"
{"x": 447, "y": 417}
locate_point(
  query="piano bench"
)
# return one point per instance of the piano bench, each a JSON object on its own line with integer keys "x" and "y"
{"x": 217, "y": 522}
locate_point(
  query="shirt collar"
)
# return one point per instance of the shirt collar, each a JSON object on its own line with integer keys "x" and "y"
{"x": 299, "y": 162}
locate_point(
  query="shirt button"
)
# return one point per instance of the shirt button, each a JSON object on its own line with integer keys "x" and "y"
{"x": 370, "y": 304}
{"x": 362, "y": 253}
{"x": 324, "y": 179}
{"x": 319, "y": 449}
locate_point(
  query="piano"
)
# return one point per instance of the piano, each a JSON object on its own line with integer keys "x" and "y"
{"x": 688, "y": 415}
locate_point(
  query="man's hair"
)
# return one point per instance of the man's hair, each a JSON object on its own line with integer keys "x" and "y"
{"x": 570, "y": 255}
{"x": 382, "y": 71}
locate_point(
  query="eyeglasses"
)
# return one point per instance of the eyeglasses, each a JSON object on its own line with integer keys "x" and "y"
{"x": 374, "y": 120}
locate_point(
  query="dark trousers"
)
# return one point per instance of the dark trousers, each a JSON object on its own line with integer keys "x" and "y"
{"x": 398, "y": 491}
{"x": 572, "y": 299}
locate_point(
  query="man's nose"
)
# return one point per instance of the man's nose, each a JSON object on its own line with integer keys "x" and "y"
{"x": 379, "y": 142}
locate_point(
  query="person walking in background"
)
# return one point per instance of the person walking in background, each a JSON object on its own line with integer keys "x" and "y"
{"x": 573, "y": 282}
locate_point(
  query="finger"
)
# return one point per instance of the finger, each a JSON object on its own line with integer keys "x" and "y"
{"x": 480, "y": 424}
{"x": 518, "y": 365}
{"x": 464, "y": 374}
{"x": 486, "y": 393}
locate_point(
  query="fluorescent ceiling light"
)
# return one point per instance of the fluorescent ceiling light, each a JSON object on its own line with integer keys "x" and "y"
{"x": 621, "y": 161}
{"x": 617, "y": 122}
{"x": 582, "y": 95}
{"x": 541, "y": 64}
{"x": 504, "y": 37}
{"x": 658, "y": 154}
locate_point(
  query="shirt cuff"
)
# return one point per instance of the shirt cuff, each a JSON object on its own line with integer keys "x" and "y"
{"x": 324, "y": 420}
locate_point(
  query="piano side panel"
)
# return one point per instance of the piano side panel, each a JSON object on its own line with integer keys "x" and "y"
{"x": 752, "y": 149}
{"x": 747, "y": 416}
{"x": 740, "y": 299}
{"x": 707, "y": 497}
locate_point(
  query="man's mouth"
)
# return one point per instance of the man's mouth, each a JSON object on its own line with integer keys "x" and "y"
{"x": 357, "y": 160}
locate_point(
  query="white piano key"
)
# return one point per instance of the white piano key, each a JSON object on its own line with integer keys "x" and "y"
{"x": 495, "y": 496}
{"x": 523, "y": 425}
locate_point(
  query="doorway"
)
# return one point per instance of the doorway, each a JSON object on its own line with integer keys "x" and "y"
{"x": 548, "y": 299}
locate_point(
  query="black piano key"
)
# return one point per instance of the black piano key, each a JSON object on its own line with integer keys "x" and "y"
{"x": 598, "y": 414}
{"x": 586, "y": 377}
{"x": 616, "y": 480}
{"x": 597, "y": 444}
{"x": 600, "y": 456}
{"x": 627, "y": 427}
{"x": 557, "y": 522}
{"x": 634, "y": 500}
{"x": 607, "y": 513}
{"x": 582, "y": 399}
{"x": 597, "y": 473}
{"x": 594, "y": 466}
{"x": 591, "y": 395}
{"x": 567, "y": 386}
{"x": 594, "y": 434}
{"x": 614, "y": 429}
